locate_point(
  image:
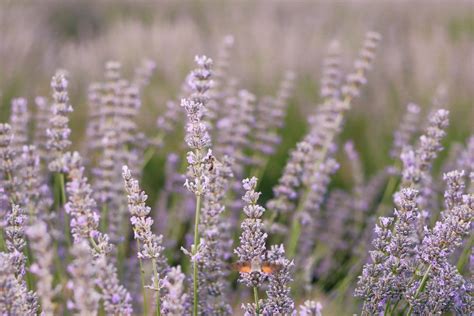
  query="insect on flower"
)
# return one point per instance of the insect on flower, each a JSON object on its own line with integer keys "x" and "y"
{"x": 256, "y": 265}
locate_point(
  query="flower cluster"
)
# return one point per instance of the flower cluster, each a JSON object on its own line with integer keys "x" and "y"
{"x": 59, "y": 131}
{"x": 252, "y": 240}
{"x": 150, "y": 245}
{"x": 279, "y": 301}
{"x": 83, "y": 273}
{"x": 405, "y": 131}
{"x": 41, "y": 245}
{"x": 81, "y": 207}
{"x": 19, "y": 120}
{"x": 355, "y": 80}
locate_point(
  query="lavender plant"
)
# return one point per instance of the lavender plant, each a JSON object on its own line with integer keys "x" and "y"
{"x": 310, "y": 242}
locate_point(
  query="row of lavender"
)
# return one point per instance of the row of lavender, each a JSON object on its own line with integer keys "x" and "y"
{"x": 76, "y": 246}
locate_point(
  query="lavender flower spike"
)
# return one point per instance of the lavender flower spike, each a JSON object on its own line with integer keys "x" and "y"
{"x": 252, "y": 249}
{"x": 198, "y": 140}
{"x": 59, "y": 131}
{"x": 84, "y": 224}
{"x": 81, "y": 207}
{"x": 8, "y": 164}
{"x": 83, "y": 272}
{"x": 14, "y": 296}
{"x": 279, "y": 301}
{"x": 150, "y": 244}
{"x": 311, "y": 308}
{"x": 175, "y": 298}
{"x": 41, "y": 245}
{"x": 19, "y": 120}
{"x": 406, "y": 130}
{"x": 253, "y": 238}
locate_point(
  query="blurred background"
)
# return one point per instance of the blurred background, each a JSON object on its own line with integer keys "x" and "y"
{"x": 427, "y": 48}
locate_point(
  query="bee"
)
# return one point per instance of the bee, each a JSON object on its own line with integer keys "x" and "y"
{"x": 211, "y": 161}
{"x": 256, "y": 266}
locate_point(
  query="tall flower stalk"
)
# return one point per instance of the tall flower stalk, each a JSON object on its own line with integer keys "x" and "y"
{"x": 150, "y": 247}
{"x": 58, "y": 138}
{"x": 198, "y": 140}
{"x": 252, "y": 248}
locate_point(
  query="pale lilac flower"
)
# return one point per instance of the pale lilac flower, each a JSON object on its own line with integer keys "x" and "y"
{"x": 40, "y": 137}
{"x": 174, "y": 301}
{"x": 331, "y": 74}
{"x": 41, "y": 245}
{"x": 234, "y": 130}
{"x": 406, "y": 130}
{"x": 285, "y": 192}
{"x": 217, "y": 92}
{"x": 19, "y": 120}
{"x": 117, "y": 300}
{"x": 212, "y": 265}
{"x": 253, "y": 238}
{"x": 417, "y": 164}
{"x": 94, "y": 129}
{"x": 150, "y": 244}
{"x": 197, "y": 136}
{"x": 143, "y": 73}
{"x": 33, "y": 200}
{"x": 14, "y": 296}
{"x": 15, "y": 240}
{"x": 84, "y": 273}
{"x": 310, "y": 215}
{"x": 279, "y": 301}
{"x": 168, "y": 121}
{"x": 311, "y": 308}
{"x": 59, "y": 131}
{"x": 355, "y": 80}
{"x": 270, "y": 114}
{"x": 80, "y": 206}
{"x": 8, "y": 164}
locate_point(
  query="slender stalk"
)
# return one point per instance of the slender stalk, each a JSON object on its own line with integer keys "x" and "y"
{"x": 464, "y": 258}
{"x": 255, "y": 297}
{"x": 294, "y": 237}
{"x": 104, "y": 216}
{"x": 387, "y": 194}
{"x": 61, "y": 203}
{"x": 195, "y": 248}
{"x": 142, "y": 278}
{"x": 149, "y": 153}
{"x": 156, "y": 286}
{"x": 387, "y": 308}
{"x": 295, "y": 228}
{"x": 2, "y": 241}
{"x": 394, "y": 307}
{"x": 421, "y": 287}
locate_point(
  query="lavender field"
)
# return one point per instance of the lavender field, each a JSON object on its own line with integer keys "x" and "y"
{"x": 236, "y": 158}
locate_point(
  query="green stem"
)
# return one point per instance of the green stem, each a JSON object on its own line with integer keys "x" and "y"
{"x": 255, "y": 297}
{"x": 149, "y": 153}
{"x": 295, "y": 226}
{"x": 394, "y": 307}
{"x": 387, "y": 308}
{"x": 104, "y": 216}
{"x": 62, "y": 202}
{"x": 294, "y": 237}
{"x": 157, "y": 288}
{"x": 142, "y": 278}
{"x": 2, "y": 241}
{"x": 464, "y": 258}
{"x": 194, "y": 251}
{"x": 420, "y": 288}
{"x": 387, "y": 194}
{"x": 296, "y": 229}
